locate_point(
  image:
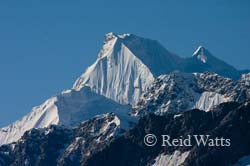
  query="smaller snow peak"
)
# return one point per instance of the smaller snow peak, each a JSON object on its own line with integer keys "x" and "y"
{"x": 200, "y": 54}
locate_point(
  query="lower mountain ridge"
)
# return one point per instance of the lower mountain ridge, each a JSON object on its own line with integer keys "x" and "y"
{"x": 60, "y": 145}
{"x": 228, "y": 120}
{"x": 100, "y": 141}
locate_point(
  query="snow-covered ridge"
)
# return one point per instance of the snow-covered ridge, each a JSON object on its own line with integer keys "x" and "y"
{"x": 181, "y": 91}
{"x": 69, "y": 108}
{"x": 41, "y": 116}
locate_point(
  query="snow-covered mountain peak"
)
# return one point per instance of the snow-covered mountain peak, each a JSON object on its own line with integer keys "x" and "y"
{"x": 126, "y": 66}
{"x": 203, "y": 60}
{"x": 200, "y": 54}
{"x": 118, "y": 73}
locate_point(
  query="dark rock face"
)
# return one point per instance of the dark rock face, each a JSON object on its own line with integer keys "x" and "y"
{"x": 234, "y": 125}
{"x": 96, "y": 142}
{"x": 229, "y": 120}
{"x": 59, "y": 145}
{"x": 38, "y": 148}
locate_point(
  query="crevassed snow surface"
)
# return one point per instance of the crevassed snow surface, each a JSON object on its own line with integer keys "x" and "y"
{"x": 69, "y": 108}
{"x": 117, "y": 74}
{"x": 175, "y": 159}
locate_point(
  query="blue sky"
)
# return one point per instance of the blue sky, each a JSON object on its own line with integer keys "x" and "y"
{"x": 45, "y": 45}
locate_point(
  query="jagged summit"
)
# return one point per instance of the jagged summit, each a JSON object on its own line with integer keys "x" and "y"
{"x": 111, "y": 35}
{"x": 112, "y": 39}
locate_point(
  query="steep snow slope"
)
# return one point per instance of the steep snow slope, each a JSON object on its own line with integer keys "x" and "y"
{"x": 126, "y": 66}
{"x": 208, "y": 100}
{"x": 157, "y": 58}
{"x": 69, "y": 108}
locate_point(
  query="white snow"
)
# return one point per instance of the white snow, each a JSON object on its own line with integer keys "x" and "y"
{"x": 199, "y": 53}
{"x": 175, "y": 159}
{"x": 66, "y": 109}
{"x": 117, "y": 74}
{"x": 177, "y": 116}
{"x": 246, "y": 79}
{"x": 41, "y": 116}
{"x": 202, "y": 58}
{"x": 208, "y": 100}
{"x": 197, "y": 50}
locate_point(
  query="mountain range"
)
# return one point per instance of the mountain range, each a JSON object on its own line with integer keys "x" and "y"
{"x": 132, "y": 78}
